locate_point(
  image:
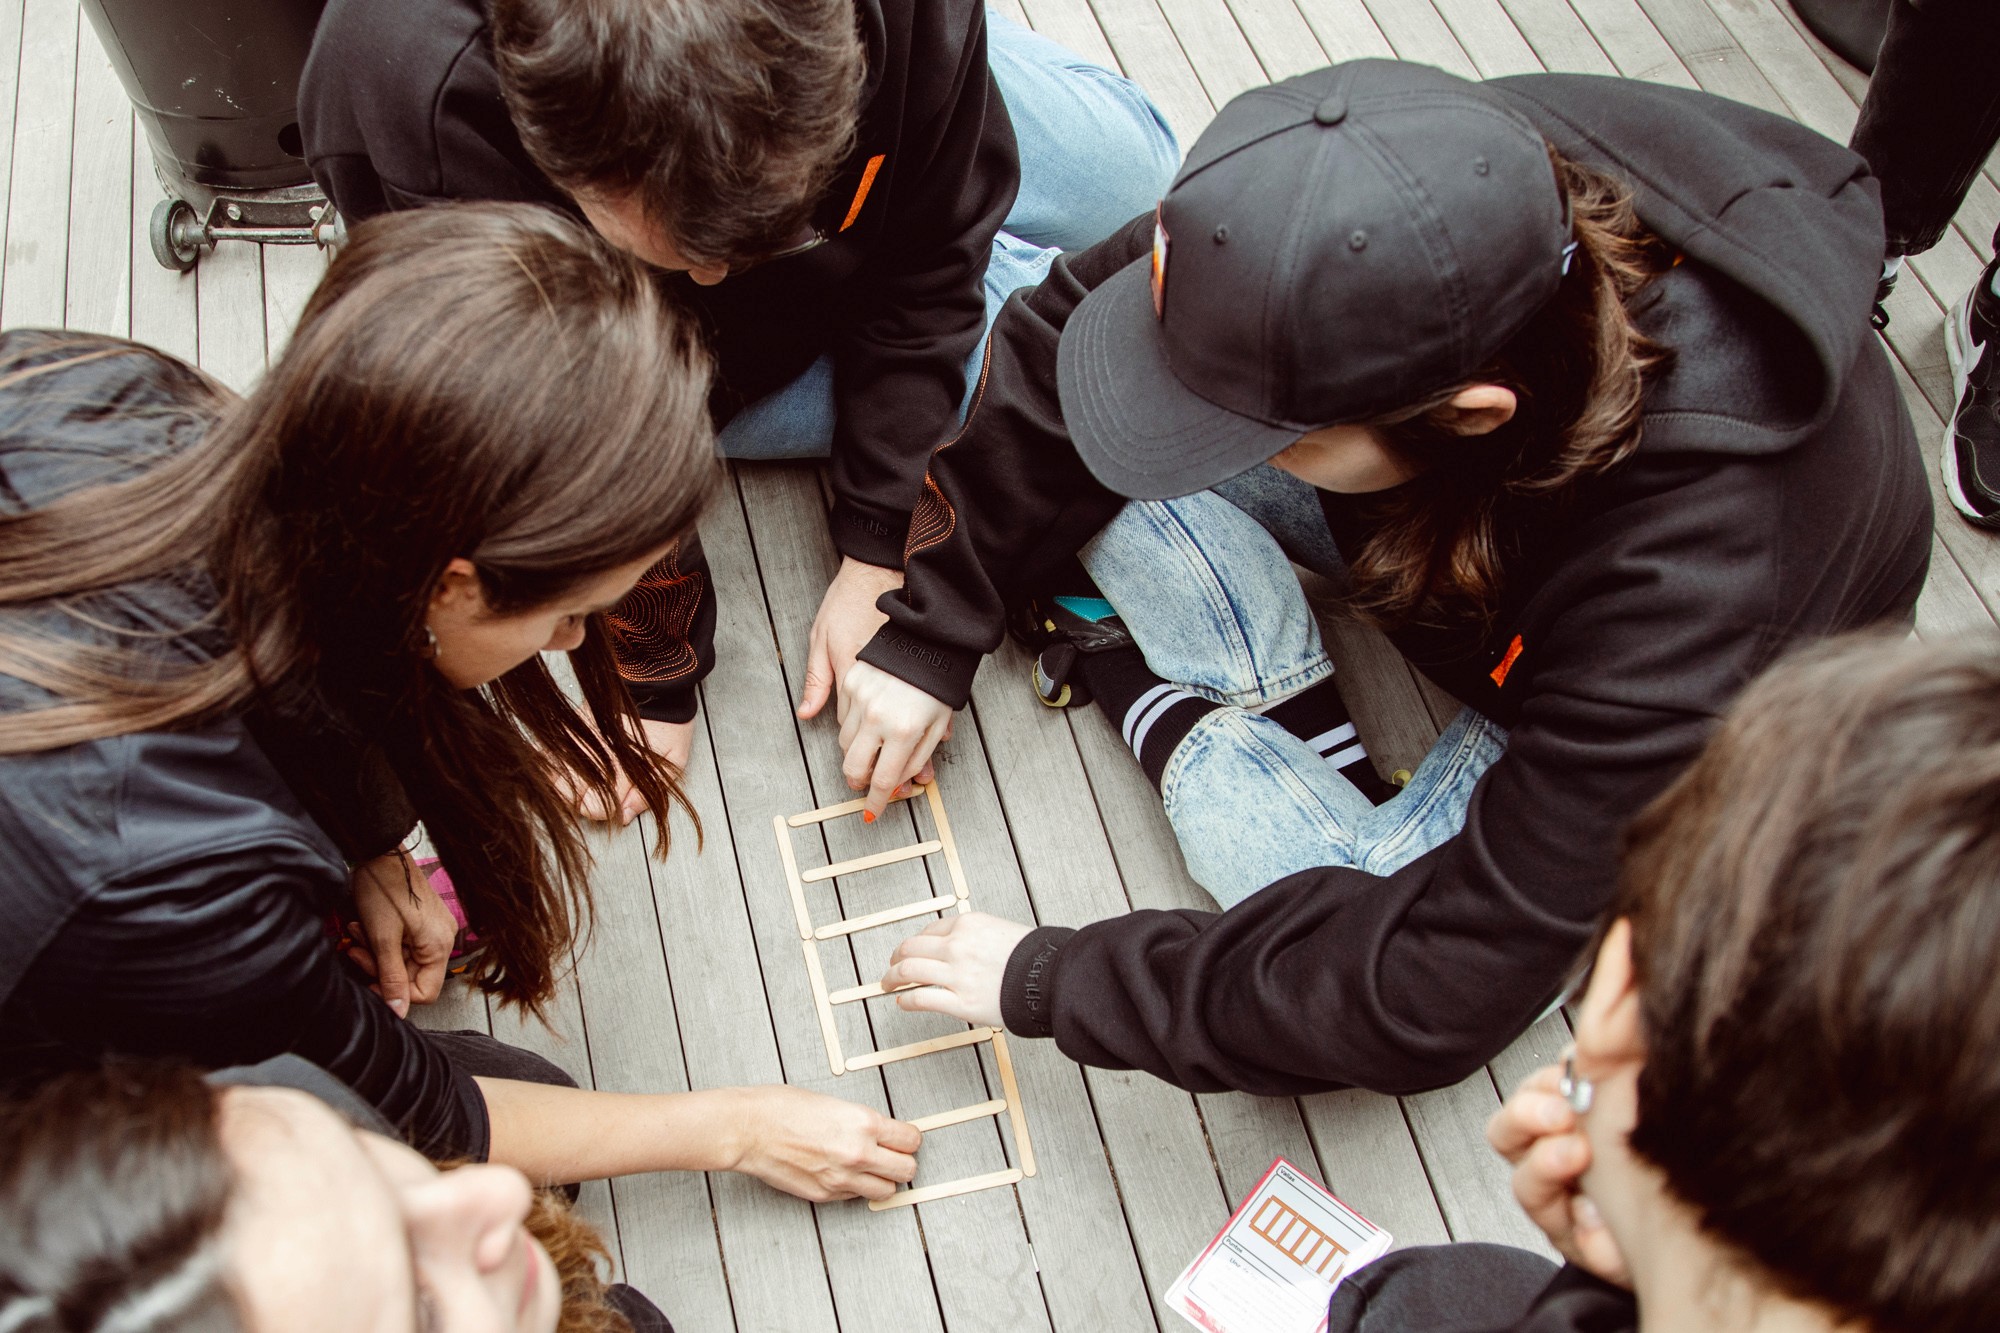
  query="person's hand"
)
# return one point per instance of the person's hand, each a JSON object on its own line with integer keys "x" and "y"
{"x": 888, "y": 729}
{"x": 406, "y": 932}
{"x": 672, "y": 741}
{"x": 1538, "y": 1132}
{"x": 821, "y": 1148}
{"x": 847, "y": 619}
{"x": 957, "y": 963}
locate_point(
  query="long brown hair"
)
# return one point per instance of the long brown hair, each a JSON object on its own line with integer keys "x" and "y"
{"x": 481, "y": 381}
{"x": 114, "y": 1195}
{"x": 1815, "y": 910}
{"x": 1579, "y": 370}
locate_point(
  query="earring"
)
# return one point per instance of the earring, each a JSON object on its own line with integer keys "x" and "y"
{"x": 1578, "y": 1092}
{"x": 430, "y": 649}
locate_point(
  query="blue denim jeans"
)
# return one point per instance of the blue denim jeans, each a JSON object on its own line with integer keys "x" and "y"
{"x": 1205, "y": 583}
{"x": 1094, "y": 152}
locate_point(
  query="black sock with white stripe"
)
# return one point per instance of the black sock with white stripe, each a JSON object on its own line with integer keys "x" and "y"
{"x": 1152, "y": 715}
{"x": 1318, "y": 716}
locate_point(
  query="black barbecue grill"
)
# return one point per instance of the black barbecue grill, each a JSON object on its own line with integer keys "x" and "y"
{"x": 216, "y": 84}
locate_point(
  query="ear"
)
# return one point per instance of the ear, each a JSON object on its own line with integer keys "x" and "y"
{"x": 1608, "y": 1030}
{"x": 458, "y": 591}
{"x": 1481, "y": 409}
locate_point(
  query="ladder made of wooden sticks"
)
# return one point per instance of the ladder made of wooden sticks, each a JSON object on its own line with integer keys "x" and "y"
{"x": 811, "y": 936}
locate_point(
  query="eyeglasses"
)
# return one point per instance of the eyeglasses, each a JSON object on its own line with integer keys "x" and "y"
{"x": 813, "y": 242}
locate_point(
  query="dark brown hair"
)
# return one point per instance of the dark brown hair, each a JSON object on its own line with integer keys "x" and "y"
{"x": 726, "y": 118}
{"x": 114, "y": 1190}
{"x": 1815, "y": 911}
{"x": 1579, "y": 370}
{"x": 489, "y": 382}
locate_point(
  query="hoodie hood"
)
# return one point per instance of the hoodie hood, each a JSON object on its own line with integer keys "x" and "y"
{"x": 1783, "y": 231}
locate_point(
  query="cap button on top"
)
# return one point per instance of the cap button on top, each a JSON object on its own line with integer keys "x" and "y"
{"x": 1331, "y": 111}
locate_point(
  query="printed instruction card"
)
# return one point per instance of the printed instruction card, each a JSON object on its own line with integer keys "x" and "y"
{"x": 1275, "y": 1263}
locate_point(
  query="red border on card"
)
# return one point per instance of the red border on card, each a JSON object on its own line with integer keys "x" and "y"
{"x": 1269, "y": 1171}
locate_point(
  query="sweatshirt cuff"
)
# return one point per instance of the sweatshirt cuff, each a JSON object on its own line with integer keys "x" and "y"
{"x": 664, "y": 703}
{"x": 870, "y": 537}
{"x": 1027, "y": 989}
{"x": 943, "y": 672}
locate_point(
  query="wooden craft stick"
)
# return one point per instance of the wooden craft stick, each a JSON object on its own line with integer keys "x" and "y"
{"x": 826, "y": 812}
{"x": 792, "y": 877}
{"x": 827, "y": 1027}
{"x": 950, "y": 844}
{"x": 927, "y": 1123}
{"x": 868, "y": 992}
{"x": 860, "y": 863}
{"x": 950, "y": 1041}
{"x": 1024, "y": 1149}
{"x": 903, "y": 1198}
{"x": 887, "y": 916}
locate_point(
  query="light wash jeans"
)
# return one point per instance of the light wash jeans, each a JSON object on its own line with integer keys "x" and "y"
{"x": 1094, "y": 153}
{"x": 1205, "y": 583}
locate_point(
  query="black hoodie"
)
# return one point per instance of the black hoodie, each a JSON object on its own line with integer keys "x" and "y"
{"x": 1777, "y": 495}
{"x": 400, "y": 107}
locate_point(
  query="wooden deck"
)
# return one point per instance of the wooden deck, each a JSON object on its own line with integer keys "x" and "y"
{"x": 695, "y": 976}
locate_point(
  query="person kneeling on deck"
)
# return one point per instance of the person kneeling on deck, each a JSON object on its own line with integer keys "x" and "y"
{"x": 245, "y": 645}
{"x": 1779, "y": 1112}
{"x": 1568, "y": 381}
{"x": 846, "y": 190}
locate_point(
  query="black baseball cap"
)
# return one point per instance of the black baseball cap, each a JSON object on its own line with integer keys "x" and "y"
{"x": 1337, "y": 246}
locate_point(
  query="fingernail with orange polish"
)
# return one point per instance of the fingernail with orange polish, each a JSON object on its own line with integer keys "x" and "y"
{"x": 867, "y": 816}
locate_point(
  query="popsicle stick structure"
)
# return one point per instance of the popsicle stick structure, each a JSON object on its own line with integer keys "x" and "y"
{"x": 812, "y": 935}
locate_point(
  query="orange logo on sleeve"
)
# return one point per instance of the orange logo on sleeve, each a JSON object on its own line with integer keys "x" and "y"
{"x": 1499, "y": 673}
{"x": 1161, "y": 243}
{"x": 861, "y": 193}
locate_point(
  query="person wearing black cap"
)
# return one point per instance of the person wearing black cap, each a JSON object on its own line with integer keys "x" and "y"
{"x": 1568, "y": 380}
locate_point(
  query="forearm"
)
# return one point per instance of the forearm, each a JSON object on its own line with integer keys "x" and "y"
{"x": 1006, "y": 501}
{"x": 558, "y": 1135}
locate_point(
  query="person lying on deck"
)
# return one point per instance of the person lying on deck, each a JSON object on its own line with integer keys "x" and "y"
{"x": 269, "y": 1199}
{"x": 245, "y": 645}
{"x": 1780, "y": 1111}
{"x": 1567, "y": 381}
{"x": 845, "y": 190}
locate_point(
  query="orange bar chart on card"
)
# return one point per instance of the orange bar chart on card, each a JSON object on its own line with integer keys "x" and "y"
{"x": 1295, "y": 1238}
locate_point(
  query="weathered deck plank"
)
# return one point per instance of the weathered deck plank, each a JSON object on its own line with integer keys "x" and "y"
{"x": 229, "y": 314}
{"x": 878, "y": 1271}
{"x": 11, "y": 17}
{"x": 1559, "y": 39}
{"x": 97, "y": 291}
{"x": 36, "y": 270}
{"x": 1346, "y": 30}
{"x": 1629, "y": 37}
{"x": 163, "y": 303}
